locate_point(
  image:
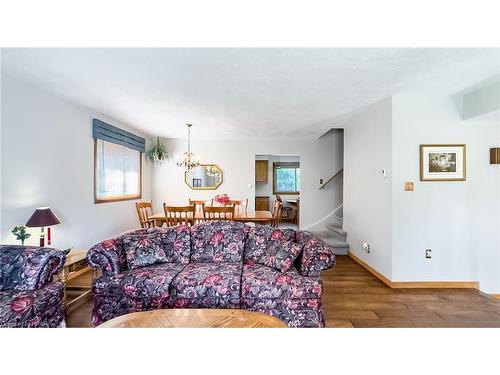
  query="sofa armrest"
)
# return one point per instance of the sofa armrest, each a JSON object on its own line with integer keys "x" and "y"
{"x": 29, "y": 267}
{"x": 107, "y": 256}
{"x": 316, "y": 255}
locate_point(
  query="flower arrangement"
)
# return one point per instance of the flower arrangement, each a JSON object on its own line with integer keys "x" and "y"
{"x": 157, "y": 153}
{"x": 222, "y": 199}
{"x": 21, "y": 234}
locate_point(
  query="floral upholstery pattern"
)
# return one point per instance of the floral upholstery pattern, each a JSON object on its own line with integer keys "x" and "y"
{"x": 217, "y": 241}
{"x": 316, "y": 255}
{"x": 28, "y": 298}
{"x": 28, "y": 267}
{"x": 108, "y": 256}
{"x": 261, "y": 237}
{"x": 208, "y": 280}
{"x": 144, "y": 282}
{"x": 176, "y": 242}
{"x": 222, "y": 269}
{"x": 143, "y": 249}
{"x": 294, "y": 318}
{"x": 262, "y": 282}
{"x": 32, "y": 308}
{"x": 281, "y": 255}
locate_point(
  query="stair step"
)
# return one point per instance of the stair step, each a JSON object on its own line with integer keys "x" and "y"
{"x": 337, "y": 230}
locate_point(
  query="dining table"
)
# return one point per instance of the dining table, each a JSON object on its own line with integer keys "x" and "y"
{"x": 246, "y": 216}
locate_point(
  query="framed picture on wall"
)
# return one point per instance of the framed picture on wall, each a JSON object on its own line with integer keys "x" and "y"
{"x": 442, "y": 163}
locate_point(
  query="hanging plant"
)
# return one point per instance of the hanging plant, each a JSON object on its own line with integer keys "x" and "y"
{"x": 157, "y": 154}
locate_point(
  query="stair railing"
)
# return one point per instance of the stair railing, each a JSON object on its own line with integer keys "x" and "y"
{"x": 322, "y": 186}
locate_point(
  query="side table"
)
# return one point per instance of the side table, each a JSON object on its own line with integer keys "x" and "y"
{"x": 75, "y": 265}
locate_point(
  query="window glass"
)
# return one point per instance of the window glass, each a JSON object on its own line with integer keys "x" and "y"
{"x": 287, "y": 178}
{"x": 118, "y": 172}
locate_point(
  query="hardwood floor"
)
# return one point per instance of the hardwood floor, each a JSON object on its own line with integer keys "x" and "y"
{"x": 353, "y": 297}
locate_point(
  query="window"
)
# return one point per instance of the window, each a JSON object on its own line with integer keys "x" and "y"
{"x": 118, "y": 172}
{"x": 286, "y": 178}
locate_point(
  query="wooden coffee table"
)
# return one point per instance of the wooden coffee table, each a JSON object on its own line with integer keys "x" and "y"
{"x": 195, "y": 318}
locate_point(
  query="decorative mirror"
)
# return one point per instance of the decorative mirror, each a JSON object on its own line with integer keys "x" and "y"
{"x": 204, "y": 177}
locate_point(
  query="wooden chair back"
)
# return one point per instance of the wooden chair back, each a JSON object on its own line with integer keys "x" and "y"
{"x": 219, "y": 213}
{"x": 175, "y": 215}
{"x": 144, "y": 210}
{"x": 277, "y": 209}
{"x": 199, "y": 207}
{"x": 240, "y": 205}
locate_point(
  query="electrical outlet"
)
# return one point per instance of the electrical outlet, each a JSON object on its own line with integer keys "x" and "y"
{"x": 366, "y": 246}
{"x": 321, "y": 181}
{"x": 428, "y": 253}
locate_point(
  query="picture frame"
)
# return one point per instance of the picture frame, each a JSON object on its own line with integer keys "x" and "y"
{"x": 443, "y": 162}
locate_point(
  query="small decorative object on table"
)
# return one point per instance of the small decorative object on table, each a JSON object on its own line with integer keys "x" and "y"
{"x": 222, "y": 199}
{"x": 157, "y": 154}
{"x": 20, "y": 232}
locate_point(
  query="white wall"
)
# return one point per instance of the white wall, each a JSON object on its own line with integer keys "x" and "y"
{"x": 459, "y": 221}
{"x": 47, "y": 160}
{"x": 236, "y": 158}
{"x": 367, "y": 194}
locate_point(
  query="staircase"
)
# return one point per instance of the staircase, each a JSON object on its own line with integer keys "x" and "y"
{"x": 331, "y": 232}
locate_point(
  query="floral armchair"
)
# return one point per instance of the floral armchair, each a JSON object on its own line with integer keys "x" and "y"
{"x": 28, "y": 297}
{"x": 217, "y": 264}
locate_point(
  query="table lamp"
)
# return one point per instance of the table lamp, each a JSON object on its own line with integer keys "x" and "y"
{"x": 41, "y": 218}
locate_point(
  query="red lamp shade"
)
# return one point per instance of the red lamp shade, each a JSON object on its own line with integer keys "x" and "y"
{"x": 42, "y": 217}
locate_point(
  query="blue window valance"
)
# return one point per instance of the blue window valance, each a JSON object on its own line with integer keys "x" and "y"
{"x": 110, "y": 133}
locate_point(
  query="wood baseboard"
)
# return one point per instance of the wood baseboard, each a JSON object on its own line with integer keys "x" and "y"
{"x": 415, "y": 284}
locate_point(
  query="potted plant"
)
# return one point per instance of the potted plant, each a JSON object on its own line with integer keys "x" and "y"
{"x": 157, "y": 153}
{"x": 21, "y": 234}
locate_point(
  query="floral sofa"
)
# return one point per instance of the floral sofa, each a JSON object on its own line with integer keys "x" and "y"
{"x": 28, "y": 297}
{"x": 217, "y": 264}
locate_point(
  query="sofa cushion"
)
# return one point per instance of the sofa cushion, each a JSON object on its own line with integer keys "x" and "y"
{"x": 177, "y": 243}
{"x": 143, "y": 249}
{"x": 145, "y": 282}
{"x": 280, "y": 255}
{"x": 217, "y": 241}
{"x": 17, "y": 308}
{"x": 262, "y": 237}
{"x": 208, "y": 280}
{"x": 262, "y": 282}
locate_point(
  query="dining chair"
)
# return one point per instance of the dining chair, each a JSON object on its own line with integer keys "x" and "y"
{"x": 177, "y": 215}
{"x": 239, "y": 204}
{"x": 144, "y": 210}
{"x": 286, "y": 211}
{"x": 277, "y": 208}
{"x": 219, "y": 213}
{"x": 199, "y": 208}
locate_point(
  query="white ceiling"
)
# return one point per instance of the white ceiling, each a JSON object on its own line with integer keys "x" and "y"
{"x": 244, "y": 93}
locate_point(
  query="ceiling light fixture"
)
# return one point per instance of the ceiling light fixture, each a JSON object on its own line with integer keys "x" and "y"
{"x": 190, "y": 160}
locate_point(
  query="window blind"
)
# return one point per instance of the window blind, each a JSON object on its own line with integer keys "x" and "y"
{"x": 110, "y": 133}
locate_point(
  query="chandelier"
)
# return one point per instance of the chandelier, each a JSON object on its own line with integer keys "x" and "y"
{"x": 189, "y": 160}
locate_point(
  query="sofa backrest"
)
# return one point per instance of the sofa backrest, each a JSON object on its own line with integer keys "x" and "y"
{"x": 28, "y": 267}
{"x": 111, "y": 256}
{"x": 217, "y": 241}
{"x": 262, "y": 237}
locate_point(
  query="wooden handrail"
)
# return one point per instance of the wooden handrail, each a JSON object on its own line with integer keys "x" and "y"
{"x": 331, "y": 178}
